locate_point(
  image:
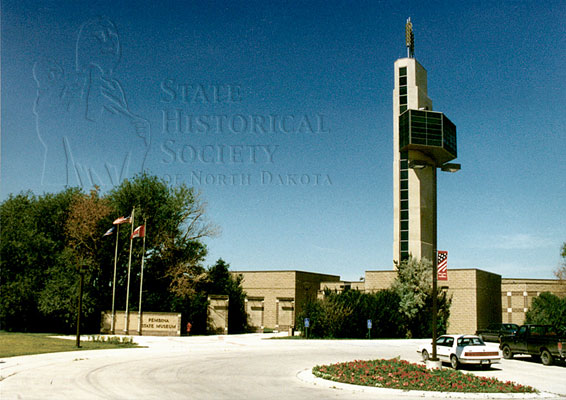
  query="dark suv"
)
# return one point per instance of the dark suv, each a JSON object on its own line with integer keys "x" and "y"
{"x": 493, "y": 332}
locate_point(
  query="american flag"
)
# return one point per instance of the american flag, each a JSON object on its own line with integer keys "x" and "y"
{"x": 109, "y": 231}
{"x": 442, "y": 265}
{"x": 122, "y": 220}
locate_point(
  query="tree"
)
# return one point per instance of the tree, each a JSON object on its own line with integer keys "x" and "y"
{"x": 548, "y": 309}
{"x": 560, "y": 272}
{"x": 413, "y": 284}
{"x": 43, "y": 239}
{"x": 32, "y": 240}
{"x": 221, "y": 281}
{"x": 83, "y": 226}
{"x": 175, "y": 226}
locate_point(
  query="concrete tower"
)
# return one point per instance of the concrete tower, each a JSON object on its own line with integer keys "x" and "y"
{"x": 421, "y": 138}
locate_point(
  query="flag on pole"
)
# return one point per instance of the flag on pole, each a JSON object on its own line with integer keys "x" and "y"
{"x": 442, "y": 265}
{"x": 109, "y": 231}
{"x": 138, "y": 232}
{"x": 122, "y": 220}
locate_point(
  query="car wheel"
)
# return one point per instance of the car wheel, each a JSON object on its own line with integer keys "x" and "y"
{"x": 425, "y": 355}
{"x": 507, "y": 353}
{"x": 454, "y": 361}
{"x": 546, "y": 357}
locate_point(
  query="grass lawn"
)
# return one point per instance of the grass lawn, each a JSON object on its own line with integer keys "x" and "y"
{"x": 20, "y": 344}
{"x": 400, "y": 374}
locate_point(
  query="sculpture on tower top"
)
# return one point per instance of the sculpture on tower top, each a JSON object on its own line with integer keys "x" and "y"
{"x": 410, "y": 39}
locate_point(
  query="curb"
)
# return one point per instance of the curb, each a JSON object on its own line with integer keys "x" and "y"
{"x": 308, "y": 377}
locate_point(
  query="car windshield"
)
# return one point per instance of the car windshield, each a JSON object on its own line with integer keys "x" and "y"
{"x": 470, "y": 341}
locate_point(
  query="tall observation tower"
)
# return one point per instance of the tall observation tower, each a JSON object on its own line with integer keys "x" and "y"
{"x": 423, "y": 141}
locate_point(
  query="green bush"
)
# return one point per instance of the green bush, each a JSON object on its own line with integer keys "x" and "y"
{"x": 345, "y": 315}
{"x": 548, "y": 309}
{"x": 124, "y": 340}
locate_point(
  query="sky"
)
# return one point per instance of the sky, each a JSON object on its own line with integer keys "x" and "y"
{"x": 280, "y": 114}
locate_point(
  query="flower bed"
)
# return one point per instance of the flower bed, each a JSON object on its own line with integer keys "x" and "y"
{"x": 400, "y": 374}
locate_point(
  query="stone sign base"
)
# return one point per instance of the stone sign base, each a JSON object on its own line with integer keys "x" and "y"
{"x": 152, "y": 323}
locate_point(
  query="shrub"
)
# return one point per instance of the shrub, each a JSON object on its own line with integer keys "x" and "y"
{"x": 548, "y": 309}
{"x": 345, "y": 315}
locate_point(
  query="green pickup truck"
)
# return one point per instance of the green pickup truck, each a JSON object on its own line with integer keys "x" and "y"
{"x": 537, "y": 340}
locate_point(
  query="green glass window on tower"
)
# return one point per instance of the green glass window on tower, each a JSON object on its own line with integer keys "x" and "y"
{"x": 430, "y": 132}
{"x": 403, "y": 99}
{"x": 404, "y": 205}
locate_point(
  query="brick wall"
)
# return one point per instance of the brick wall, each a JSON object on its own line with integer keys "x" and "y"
{"x": 281, "y": 295}
{"x": 478, "y": 297}
{"x": 378, "y": 280}
{"x": 218, "y": 314}
{"x": 488, "y": 293}
{"x": 475, "y": 296}
{"x": 517, "y": 296}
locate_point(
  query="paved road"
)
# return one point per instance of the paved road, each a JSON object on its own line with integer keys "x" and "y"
{"x": 223, "y": 367}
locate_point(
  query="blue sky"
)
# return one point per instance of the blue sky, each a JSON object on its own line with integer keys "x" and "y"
{"x": 286, "y": 120}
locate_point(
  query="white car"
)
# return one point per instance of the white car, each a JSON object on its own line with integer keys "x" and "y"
{"x": 462, "y": 349}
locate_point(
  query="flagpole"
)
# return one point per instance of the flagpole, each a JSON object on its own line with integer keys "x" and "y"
{"x": 141, "y": 278}
{"x": 112, "y": 326}
{"x": 126, "y": 324}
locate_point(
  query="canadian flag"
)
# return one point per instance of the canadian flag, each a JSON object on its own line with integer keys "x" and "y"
{"x": 138, "y": 232}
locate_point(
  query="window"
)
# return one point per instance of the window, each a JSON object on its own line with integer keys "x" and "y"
{"x": 522, "y": 330}
{"x": 428, "y": 128}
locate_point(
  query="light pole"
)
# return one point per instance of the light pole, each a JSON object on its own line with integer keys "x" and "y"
{"x": 82, "y": 269}
{"x": 447, "y": 167}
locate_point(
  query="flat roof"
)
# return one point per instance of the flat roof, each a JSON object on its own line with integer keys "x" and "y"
{"x": 449, "y": 269}
{"x": 284, "y": 270}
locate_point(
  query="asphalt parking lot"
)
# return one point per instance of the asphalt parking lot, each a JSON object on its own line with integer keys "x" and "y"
{"x": 227, "y": 367}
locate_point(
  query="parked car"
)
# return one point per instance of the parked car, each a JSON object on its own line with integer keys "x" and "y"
{"x": 493, "y": 332}
{"x": 462, "y": 349}
{"x": 537, "y": 340}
